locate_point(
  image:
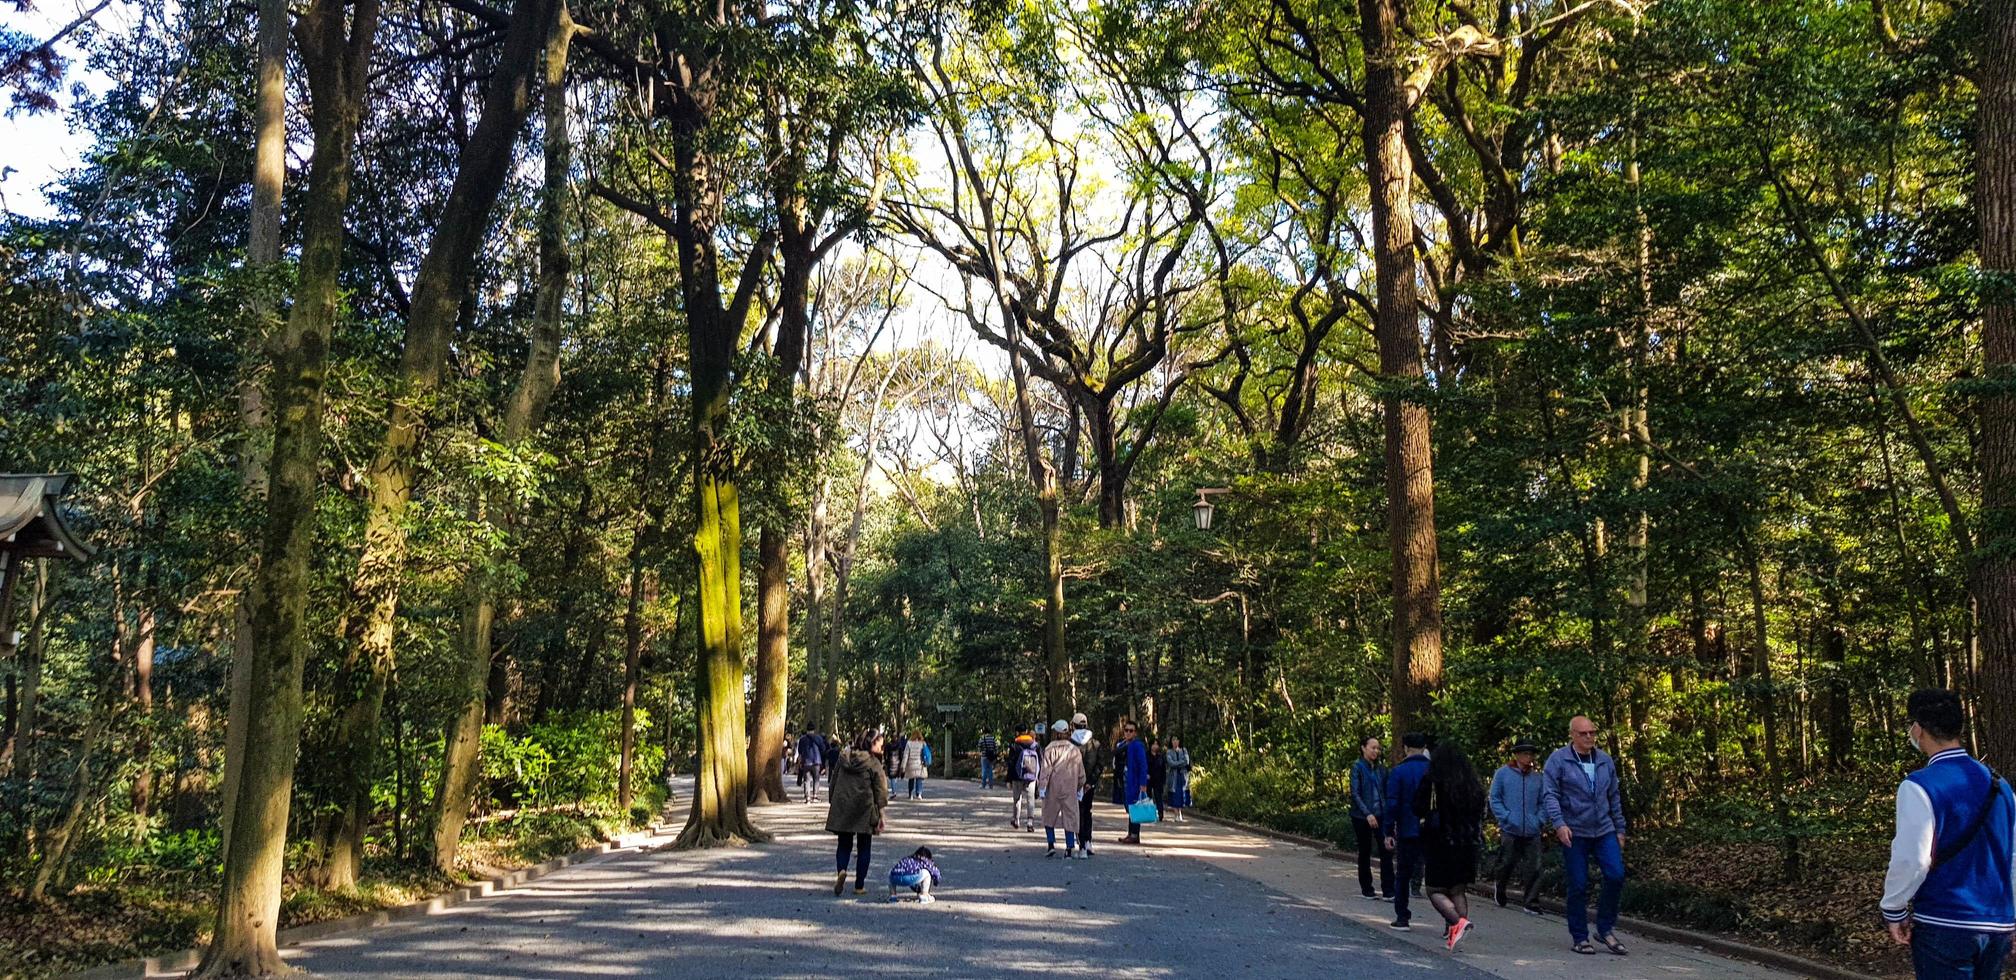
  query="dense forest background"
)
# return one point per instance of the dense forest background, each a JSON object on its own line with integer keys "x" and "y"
{"x": 498, "y": 406}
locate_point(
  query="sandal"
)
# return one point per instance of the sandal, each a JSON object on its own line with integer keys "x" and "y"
{"x": 1584, "y": 947}
{"x": 1610, "y": 943}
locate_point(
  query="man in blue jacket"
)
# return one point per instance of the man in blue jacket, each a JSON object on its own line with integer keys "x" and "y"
{"x": 1403, "y": 828}
{"x": 1515, "y": 804}
{"x": 1580, "y": 797}
{"x": 1951, "y": 890}
{"x": 1368, "y": 801}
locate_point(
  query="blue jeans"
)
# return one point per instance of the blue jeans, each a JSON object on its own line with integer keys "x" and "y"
{"x": 917, "y": 787}
{"x": 986, "y": 772}
{"x": 1609, "y": 857}
{"x": 1946, "y": 953}
{"x": 1409, "y": 861}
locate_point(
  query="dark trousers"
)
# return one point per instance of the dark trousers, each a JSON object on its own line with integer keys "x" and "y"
{"x": 1946, "y": 953}
{"x": 859, "y": 843}
{"x": 1519, "y": 856}
{"x": 1370, "y": 843}
{"x": 1085, "y": 818}
{"x": 1411, "y": 863}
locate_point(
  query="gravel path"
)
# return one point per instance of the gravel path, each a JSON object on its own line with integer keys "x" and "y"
{"x": 1199, "y": 900}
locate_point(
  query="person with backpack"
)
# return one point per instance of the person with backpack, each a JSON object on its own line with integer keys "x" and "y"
{"x": 1023, "y": 766}
{"x": 1950, "y": 893}
{"x": 989, "y": 748}
{"x": 811, "y": 764}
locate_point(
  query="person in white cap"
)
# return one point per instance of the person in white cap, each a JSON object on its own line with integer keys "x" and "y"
{"x": 1096, "y": 757}
{"x": 1061, "y": 785}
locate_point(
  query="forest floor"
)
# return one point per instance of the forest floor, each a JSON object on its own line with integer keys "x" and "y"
{"x": 1196, "y": 899}
{"x": 149, "y": 909}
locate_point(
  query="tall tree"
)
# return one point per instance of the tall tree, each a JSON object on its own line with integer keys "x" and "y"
{"x": 336, "y": 53}
{"x": 693, "y": 82}
{"x": 1995, "y": 569}
{"x": 522, "y": 415}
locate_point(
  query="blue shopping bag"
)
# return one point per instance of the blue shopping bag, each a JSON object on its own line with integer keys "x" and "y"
{"x": 1142, "y": 811}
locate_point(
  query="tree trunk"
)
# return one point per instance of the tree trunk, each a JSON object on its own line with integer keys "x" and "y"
{"x": 773, "y": 585}
{"x": 269, "y": 177}
{"x": 1410, "y": 475}
{"x": 460, "y": 763}
{"x": 245, "y": 939}
{"x": 1995, "y": 568}
{"x": 1774, "y": 759}
{"x": 444, "y": 281}
{"x": 633, "y": 656}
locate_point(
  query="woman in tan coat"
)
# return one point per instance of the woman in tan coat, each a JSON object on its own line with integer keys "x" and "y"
{"x": 1059, "y": 784}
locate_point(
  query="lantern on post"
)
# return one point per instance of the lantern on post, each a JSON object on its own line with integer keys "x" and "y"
{"x": 1202, "y": 510}
{"x": 31, "y": 526}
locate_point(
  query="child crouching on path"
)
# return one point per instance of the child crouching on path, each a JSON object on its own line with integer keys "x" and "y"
{"x": 916, "y": 873}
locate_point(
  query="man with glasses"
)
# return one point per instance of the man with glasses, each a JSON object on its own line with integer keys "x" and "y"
{"x": 1579, "y": 794}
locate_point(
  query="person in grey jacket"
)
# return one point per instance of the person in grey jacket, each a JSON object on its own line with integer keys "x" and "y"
{"x": 1582, "y": 801}
{"x": 1368, "y": 801}
{"x": 1515, "y": 804}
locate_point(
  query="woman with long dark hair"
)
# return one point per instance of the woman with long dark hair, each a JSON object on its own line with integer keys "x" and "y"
{"x": 1451, "y": 804}
{"x": 860, "y": 793}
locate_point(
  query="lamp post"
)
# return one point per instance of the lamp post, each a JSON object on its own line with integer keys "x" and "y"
{"x": 1202, "y": 510}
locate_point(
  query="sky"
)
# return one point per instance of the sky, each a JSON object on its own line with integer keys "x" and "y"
{"x": 36, "y": 149}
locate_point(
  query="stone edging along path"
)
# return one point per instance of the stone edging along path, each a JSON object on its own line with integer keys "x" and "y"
{"x": 1708, "y": 941}
{"x": 186, "y": 960}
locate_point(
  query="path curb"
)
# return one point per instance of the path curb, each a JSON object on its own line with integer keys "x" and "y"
{"x": 186, "y": 960}
{"x": 1686, "y": 937}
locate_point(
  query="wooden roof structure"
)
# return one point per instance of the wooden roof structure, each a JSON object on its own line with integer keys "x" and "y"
{"x": 31, "y": 520}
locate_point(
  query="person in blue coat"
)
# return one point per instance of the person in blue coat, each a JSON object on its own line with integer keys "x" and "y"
{"x": 1403, "y": 826}
{"x": 1516, "y": 804}
{"x": 1132, "y": 759}
{"x": 1368, "y": 806}
{"x": 1582, "y": 800}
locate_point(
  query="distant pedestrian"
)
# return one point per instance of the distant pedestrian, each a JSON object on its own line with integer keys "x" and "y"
{"x": 1368, "y": 802}
{"x": 1133, "y": 775}
{"x": 1024, "y": 764}
{"x": 917, "y": 873}
{"x": 1515, "y": 804}
{"x": 1060, "y": 786}
{"x": 989, "y": 749}
{"x": 1581, "y": 799}
{"x": 812, "y": 764}
{"x": 1158, "y": 775}
{"x": 1095, "y": 755}
{"x": 860, "y": 794}
{"x": 1402, "y": 825}
{"x": 1179, "y": 779}
{"x": 916, "y": 764}
{"x": 1451, "y": 804}
{"x": 1949, "y": 893}
{"x": 894, "y": 757}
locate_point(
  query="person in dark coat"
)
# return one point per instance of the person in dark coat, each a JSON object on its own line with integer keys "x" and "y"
{"x": 860, "y": 794}
{"x": 811, "y": 764}
{"x": 1402, "y": 825}
{"x": 1450, "y": 804}
{"x": 1158, "y": 774}
{"x": 1132, "y": 758}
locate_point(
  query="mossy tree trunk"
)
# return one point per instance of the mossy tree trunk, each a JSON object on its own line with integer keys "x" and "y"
{"x": 336, "y": 52}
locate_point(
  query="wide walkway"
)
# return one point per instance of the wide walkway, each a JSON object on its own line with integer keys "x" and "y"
{"x": 1197, "y": 900}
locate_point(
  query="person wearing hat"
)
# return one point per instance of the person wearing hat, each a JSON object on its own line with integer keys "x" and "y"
{"x": 1061, "y": 785}
{"x": 1024, "y": 764}
{"x": 1515, "y": 803}
{"x": 1096, "y": 757}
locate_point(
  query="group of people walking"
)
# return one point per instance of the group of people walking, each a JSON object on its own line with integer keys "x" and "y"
{"x": 1949, "y": 894}
{"x": 1423, "y": 818}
